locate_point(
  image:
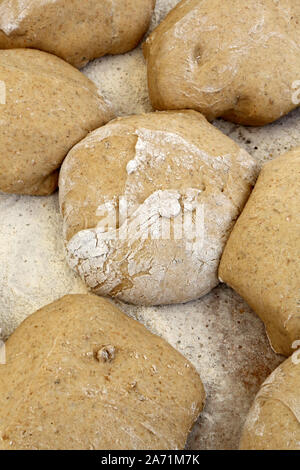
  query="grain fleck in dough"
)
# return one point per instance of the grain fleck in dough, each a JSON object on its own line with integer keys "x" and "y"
{"x": 273, "y": 422}
{"x": 261, "y": 258}
{"x": 49, "y": 107}
{"x": 174, "y": 170}
{"x": 80, "y": 374}
{"x": 232, "y": 59}
{"x": 76, "y": 31}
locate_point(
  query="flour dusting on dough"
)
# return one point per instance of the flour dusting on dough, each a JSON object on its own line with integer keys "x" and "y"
{"x": 141, "y": 260}
{"x": 11, "y": 19}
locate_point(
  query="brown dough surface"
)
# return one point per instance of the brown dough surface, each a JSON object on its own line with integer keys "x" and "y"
{"x": 77, "y": 30}
{"x": 171, "y": 168}
{"x": 80, "y": 374}
{"x": 232, "y": 59}
{"x": 50, "y": 106}
{"x": 261, "y": 258}
{"x": 273, "y": 422}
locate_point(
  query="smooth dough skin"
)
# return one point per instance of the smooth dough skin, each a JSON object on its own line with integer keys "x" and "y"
{"x": 148, "y": 203}
{"x": 49, "y": 106}
{"x": 76, "y": 30}
{"x": 232, "y": 59}
{"x": 273, "y": 422}
{"x": 80, "y": 374}
{"x": 261, "y": 258}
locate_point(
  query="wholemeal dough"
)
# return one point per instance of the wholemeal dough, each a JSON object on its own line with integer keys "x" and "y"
{"x": 80, "y": 374}
{"x": 48, "y": 107}
{"x": 76, "y": 31}
{"x": 230, "y": 59}
{"x": 273, "y": 422}
{"x": 184, "y": 184}
{"x": 261, "y": 258}
{"x": 219, "y": 333}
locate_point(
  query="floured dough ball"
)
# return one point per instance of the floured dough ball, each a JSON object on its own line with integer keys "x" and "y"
{"x": 273, "y": 422}
{"x": 46, "y": 107}
{"x": 148, "y": 202}
{"x": 76, "y": 31}
{"x": 228, "y": 59}
{"x": 86, "y": 376}
{"x": 261, "y": 258}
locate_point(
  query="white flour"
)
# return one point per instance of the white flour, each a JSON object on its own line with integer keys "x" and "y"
{"x": 155, "y": 269}
{"x": 219, "y": 333}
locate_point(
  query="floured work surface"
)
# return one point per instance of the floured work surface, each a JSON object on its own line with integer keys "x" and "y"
{"x": 219, "y": 333}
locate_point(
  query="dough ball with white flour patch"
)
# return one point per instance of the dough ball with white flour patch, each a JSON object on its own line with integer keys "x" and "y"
{"x": 77, "y": 30}
{"x": 235, "y": 59}
{"x": 261, "y": 258}
{"x": 273, "y": 422}
{"x": 80, "y": 374}
{"x": 148, "y": 202}
{"x": 46, "y": 107}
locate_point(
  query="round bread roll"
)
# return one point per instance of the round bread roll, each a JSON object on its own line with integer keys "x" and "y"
{"x": 261, "y": 258}
{"x": 273, "y": 422}
{"x": 76, "y": 31}
{"x": 227, "y": 59}
{"x": 80, "y": 374}
{"x": 46, "y": 107}
{"x": 148, "y": 203}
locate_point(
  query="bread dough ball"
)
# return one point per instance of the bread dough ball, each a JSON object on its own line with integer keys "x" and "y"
{"x": 273, "y": 422}
{"x": 76, "y": 31}
{"x": 86, "y": 376}
{"x": 261, "y": 258}
{"x": 148, "y": 203}
{"x": 47, "y": 107}
{"x": 227, "y": 59}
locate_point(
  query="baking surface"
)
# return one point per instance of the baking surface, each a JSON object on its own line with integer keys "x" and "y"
{"x": 218, "y": 333}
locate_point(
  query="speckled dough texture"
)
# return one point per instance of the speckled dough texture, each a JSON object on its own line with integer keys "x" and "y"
{"x": 184, "y": 184}
{"x": 273, "y": 422}
{"x": 261, "y": 258}
{"x": 48, "y": 107}
{"x": 232, "y": 59}
{"x": 77, "y": 31}
{"x": 80, "y": 374}
{"x": 219, "y": 333}
{"x": 226, "y": 341}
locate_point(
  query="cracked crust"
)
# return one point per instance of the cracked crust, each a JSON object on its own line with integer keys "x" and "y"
{"x": 49, "y": 107}
{"x": 168, "y": 167}
{"x": 80, "y": 374}
{"x": 227, "y": 59}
